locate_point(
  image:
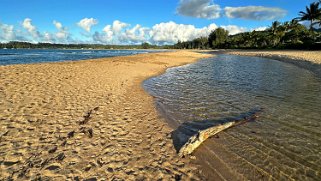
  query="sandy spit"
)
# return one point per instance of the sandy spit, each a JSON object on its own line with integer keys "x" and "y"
{"x": 310, "y": 60}
{"x": 88, "y": 120}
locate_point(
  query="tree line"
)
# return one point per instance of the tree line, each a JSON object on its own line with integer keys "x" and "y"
{"x": 18, "y": 44}
{"x": 287, "y": 35}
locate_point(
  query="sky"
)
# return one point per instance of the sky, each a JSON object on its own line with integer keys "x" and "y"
{"x": 136, "y": 21}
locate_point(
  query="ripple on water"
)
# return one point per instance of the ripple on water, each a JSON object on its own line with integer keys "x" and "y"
{"x": 284, "y": 143}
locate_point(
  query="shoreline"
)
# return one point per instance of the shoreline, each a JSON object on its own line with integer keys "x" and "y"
{"x": 309, "y": 60}
{"x": 88, "y": 119}
{"x": 91, "y": 59}
{"x": 93, "y": 118}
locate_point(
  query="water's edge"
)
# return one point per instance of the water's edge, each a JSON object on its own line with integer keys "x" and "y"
{"x": 310, "y": 66}
{"x": 301, "y": 63}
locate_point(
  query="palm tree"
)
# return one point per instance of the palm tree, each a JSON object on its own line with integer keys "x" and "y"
{"x": 276, "y": 32}
{"x": 312, "y": 13}
{"x": 275, "y": 26}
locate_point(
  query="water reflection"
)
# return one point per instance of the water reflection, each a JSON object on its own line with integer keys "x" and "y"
{"x": 285, "y": 143}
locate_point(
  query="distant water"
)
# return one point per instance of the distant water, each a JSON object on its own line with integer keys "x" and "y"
{"x": 26, "y": 56}
{"x": 283, "y": 144}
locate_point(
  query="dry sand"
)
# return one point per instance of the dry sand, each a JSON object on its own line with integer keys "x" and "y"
{"x": 310, "y": 56}
{"x": 88, "y": 120}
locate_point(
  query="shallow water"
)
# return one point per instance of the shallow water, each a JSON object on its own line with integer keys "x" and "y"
{"x": 25, "y": 56}
{"x": 284, "y": 143}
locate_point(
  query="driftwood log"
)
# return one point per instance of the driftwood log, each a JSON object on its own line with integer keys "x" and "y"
{"x": 201, "y": 135}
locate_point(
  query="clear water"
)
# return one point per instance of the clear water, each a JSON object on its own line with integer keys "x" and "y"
{"x": 285, "y": 141}
{"x": 25, "y": 56}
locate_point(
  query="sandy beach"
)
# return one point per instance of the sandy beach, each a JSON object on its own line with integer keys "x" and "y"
{"x": 310, "y": 56}
{"x": 92, "y": 120}
{"x": 88, "y": 120}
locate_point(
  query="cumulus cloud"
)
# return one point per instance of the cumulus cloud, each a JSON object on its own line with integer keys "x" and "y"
{"x": 199, "y": 9}
{"x": 30, "y": 33}
{"x": 115, "y": 33}
{"x": 27, "y": 24}
{"x": 118, "y": 26}
{"x": 87, "y": 23}
{"x": 233, "y": 29}
{"x": 7, "y": 32}
{"x": 110, "y": 32}
{"x": 48, "y": 37}
{"x": 62, "y": 33}
{"x": 261, "y": 28}
{"x": 57, "y": 24}
{"x": 255, "y": 12}
{"x": 171, "y": 32}
{"x": 122, "y": 33}
{"x": 162, "y": 33}
{"x": 135, "y": 34}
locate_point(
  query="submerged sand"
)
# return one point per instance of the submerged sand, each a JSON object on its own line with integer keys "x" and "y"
{"x": 88, "y": 120}
{"x": 310, "y": 60}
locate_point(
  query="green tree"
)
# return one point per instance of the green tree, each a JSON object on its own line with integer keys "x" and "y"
{"x": 217, "y": 38}
{"x": 312, "y": 14}
{"x": 200, "y": 43}
{"x": 145, "y": 45}
{"x": 276, "y": 33}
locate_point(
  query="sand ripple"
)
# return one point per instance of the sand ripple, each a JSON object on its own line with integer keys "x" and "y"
{"x": 87, "y": 120}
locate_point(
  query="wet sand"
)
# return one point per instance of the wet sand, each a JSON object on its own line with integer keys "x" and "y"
{"x": 88, "y": 120}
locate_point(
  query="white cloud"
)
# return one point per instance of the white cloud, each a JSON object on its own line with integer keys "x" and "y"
{"x": 27, "y": 24}
{"x": 104, "y": 37}
{"x": 261, "y": 28}
{"x": 233, "y": 29}
{"x": 7, "y": 32}
{"x": 162, "y": 33}
{"x": 118, "y": 26}
{"x": 57, "y": 24}
{"x": 255, "y": 12}
{"x": 116, "y": 33}
{"x": 110, "y": 32}
{"x": 48, "y": 37}
{"x": 199, "y": 9}
{"x": 87, "y": 23}
{"x": 136, "y": 34}
{"x": 62, "y": 33}
{"x": 121, "y": 33}
{"x": 170, "y": 32}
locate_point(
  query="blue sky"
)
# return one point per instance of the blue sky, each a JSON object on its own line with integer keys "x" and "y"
{"x": 33, "y": 20}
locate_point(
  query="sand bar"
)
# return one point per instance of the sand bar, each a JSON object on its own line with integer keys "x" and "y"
{"x": 310, "y": 60}
{"x": 88, "y": 120}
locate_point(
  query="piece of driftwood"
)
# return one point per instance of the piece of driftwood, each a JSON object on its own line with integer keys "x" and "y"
{"x": 201, "y": 135}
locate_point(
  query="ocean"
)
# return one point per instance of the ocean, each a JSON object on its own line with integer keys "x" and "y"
{"x": 27, "y": 56}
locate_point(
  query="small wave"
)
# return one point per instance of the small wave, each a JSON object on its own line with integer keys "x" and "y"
{"x": 33, "y": 54}
{"x": 86, "y": 52}
{"x": 64, "y": 53}
{"x": 5, "y": 54}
